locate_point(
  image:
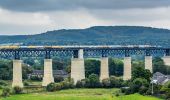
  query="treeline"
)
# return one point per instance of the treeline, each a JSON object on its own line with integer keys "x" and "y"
{"x": 92, "y": 66}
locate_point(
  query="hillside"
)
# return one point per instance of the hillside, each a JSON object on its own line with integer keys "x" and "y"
{"x": 95, "y": 35}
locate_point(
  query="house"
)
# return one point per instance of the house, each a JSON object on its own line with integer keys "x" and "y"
{"x": 159, "y": 78}
{"x": 56, "y": 73}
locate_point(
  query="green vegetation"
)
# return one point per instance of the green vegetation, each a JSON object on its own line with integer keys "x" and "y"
{"x": 139, "y": 84}
{"x": 80, "y": 94}
{"x": 117, "y": 35}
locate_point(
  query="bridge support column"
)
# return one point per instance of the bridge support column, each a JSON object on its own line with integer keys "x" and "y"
{"x": 104, "y": 69}
{"x": 17, "y": 73}
{"x": 166, "y": 60}
{"x": 48, "y": 72}
{"x": 127, "y": 68}
{"x": 77, "y": 66}
{"x": 148, "y": 63}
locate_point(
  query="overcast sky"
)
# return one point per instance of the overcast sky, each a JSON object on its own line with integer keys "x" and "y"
{"x": 37, "y": 16}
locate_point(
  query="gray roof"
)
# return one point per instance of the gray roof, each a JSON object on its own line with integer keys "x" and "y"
{"x": 55, "y": 72}
{"x": 160, "y": 78}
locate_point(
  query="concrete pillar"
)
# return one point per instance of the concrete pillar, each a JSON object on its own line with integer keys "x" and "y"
{"x": 17, "y": 73}
{"x": 80, "y": 54}
{"x": 127, "y": 68}
{"x": 166, "y": 60}
{"x": 48, "y": 72}
{"x": 148, "y": 63}
{"x": 77, "y": 69}
{"x": 104, "y": 69}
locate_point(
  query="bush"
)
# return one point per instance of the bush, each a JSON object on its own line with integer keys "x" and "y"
{"x": 17, "y": 90}
{"x": 26, "y": 83}
{"x": 126, "y": 90}
{"x": 79, "y": 84}
{"x": 58, "y": 86}
{"x": 138, "y": 84}
{"x": 86, "y": 82}
{"x": 3, "y": 83}
{"x": 115, "y": 82}
{"x": 6, "y": 92}
{"x": 106, "y": 83}
{"x": 94, "y": 81}
{"x": 143, "y": 90}
{"x": 65, "y": 84}
{"x": 71, "y": 81}
{"x": 51, "y": 87}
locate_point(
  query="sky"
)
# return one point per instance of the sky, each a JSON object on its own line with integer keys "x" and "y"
{"x": 37, "y": 16}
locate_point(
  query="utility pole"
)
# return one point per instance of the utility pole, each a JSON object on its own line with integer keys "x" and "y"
{"x": 152, "y": 88}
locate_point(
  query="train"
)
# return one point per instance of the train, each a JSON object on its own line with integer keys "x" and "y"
{"x": 75, "y": 46}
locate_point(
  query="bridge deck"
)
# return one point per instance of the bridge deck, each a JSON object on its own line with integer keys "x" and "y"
{"x": 67, "y": 47}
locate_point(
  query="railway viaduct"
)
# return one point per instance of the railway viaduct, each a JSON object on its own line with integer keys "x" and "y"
{"x": 77, "y": 55}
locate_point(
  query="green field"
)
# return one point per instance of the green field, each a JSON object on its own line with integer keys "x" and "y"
{"x": 79, "y": 94}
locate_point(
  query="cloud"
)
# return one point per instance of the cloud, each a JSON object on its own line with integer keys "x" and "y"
{"x": 37, "y": 16}
{"x": 53, "y": 5}
{"x": 12, "y": 22}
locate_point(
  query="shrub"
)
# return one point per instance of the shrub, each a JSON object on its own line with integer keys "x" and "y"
{"x": 71, "y": 83}
{"x": 17, "y": 90}
{"x": 6, "y": 92}
{"x": 86, "y": 82}
{"x": 126, "y": 90}
{"x": 143, "y": 90}
{"x": 58, "y": 86}
{"x": 106, "y": 83}
{"x": 65, "y": 85}
{"x": 115, "y": 82}
{"x": 3, "y": 83}
{"x": 94, "y": 80}
{"x": 79, "y": 84}
{"x": 51, "y": 87}
{"x": 137, "y": 84}
{"x": 26, "y": 83}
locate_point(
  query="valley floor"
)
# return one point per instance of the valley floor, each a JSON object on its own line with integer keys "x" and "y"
{"x": 79, "y": 94}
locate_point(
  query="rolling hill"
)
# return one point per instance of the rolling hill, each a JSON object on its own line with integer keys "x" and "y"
{"x": 99, "y": 35}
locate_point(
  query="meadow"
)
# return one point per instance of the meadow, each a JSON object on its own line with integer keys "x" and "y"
{"x": 80, "y": 94}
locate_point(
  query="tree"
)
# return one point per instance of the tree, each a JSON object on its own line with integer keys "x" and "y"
{"x": 137, "y": 84}
{"x": 159, "y": 66}
{"x": 58, "y": 65}
{"x": 68, "y": 69}
{"x": 5, "y": 70}
{"x": 140, "y": 72}
{"x": 92, "y": 66}
{"x": 115, "y": 67}
{"x": 26, "y": 70}
{"x": 94, "y": 80}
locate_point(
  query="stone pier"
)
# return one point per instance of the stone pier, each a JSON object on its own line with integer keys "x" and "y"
{"x": 17, "y": 73}
{"x": 166, "y": 60}
{"x": 148, "y": 63}
{"x": 104, "y": 69}
{"x": 127, "y": 68}
{"x": 77, "y": 66}
{"x": 77, "y": 69}
{"x": 48, "y": 72}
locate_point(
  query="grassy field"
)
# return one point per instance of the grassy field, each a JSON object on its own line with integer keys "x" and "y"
{"x": 79, "y": 94}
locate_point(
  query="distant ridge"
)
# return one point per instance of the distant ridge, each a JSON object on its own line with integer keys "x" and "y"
{"x": 96, "y": 35}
